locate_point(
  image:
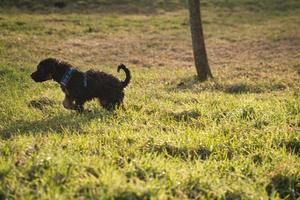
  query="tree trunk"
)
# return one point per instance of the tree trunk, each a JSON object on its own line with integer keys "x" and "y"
{"x": 200, "y": 56}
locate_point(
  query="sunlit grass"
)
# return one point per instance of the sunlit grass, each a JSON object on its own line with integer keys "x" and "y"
{"x": 234, "y": 137}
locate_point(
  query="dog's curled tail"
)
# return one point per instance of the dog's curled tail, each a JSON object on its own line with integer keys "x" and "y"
{"x": 128, "y": 75}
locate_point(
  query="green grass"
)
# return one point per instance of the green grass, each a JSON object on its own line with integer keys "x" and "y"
{"x": 234, "y": 137}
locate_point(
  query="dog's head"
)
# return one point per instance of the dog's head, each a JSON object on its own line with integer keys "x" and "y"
{"x": 45, "y": 70}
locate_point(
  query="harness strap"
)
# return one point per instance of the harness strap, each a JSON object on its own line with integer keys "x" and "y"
{"x": 85, "y": 83}
{"x": 66, "y": 78}
{"x": 68, "y": 75}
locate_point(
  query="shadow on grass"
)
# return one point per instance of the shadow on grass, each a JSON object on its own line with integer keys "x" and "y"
{"x": 59, "y": 124}
{"x": 94, "y": 191}
{"x": 293, "y": 146}
{"x": 194, "y": 188}
{"x": 146, "y": 173}
{"x": 288, "y": 187}
{"x": 186, "y": 115}
{"x": 233, "y": 195}
{"x": 193, "y": 84}
{"x": 183, "y": 153}
{"x": 41, "y": 103}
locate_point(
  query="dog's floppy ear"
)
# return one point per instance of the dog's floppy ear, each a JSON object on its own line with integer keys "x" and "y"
{"x": 57, "y": 69}
{"x": 51, "y": 65}
{"x": 54, "y": 68}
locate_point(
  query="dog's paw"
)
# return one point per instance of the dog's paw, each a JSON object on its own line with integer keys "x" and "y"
{"x": 88, "y": 110}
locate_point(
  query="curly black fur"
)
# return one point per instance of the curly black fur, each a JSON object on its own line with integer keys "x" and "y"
{"x": 107, "y": 88}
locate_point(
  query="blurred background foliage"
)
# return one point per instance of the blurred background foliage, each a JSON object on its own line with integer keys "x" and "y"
{"x": 150, "y": 5}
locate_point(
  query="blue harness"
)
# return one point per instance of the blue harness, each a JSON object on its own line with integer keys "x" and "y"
{"x": 68, "y": 75}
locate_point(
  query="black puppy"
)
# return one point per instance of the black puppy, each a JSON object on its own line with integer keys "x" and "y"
{"x": 80, "y": 87}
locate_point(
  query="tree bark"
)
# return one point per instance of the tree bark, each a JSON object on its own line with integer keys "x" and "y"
{"x": 200, "y": 55}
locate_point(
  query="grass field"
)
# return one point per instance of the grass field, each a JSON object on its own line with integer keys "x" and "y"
{"x": 234, "y": 137}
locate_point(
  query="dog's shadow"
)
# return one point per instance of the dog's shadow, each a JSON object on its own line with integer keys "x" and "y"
{"x": 59, "y": 124}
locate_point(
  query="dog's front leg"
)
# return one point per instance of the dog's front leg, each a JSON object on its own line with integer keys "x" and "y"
{"x": 79, "y": 106}
{"x": 68, "y": 103}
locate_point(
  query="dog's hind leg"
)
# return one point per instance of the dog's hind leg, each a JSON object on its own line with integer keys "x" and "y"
{"x": 108, "y": 105}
